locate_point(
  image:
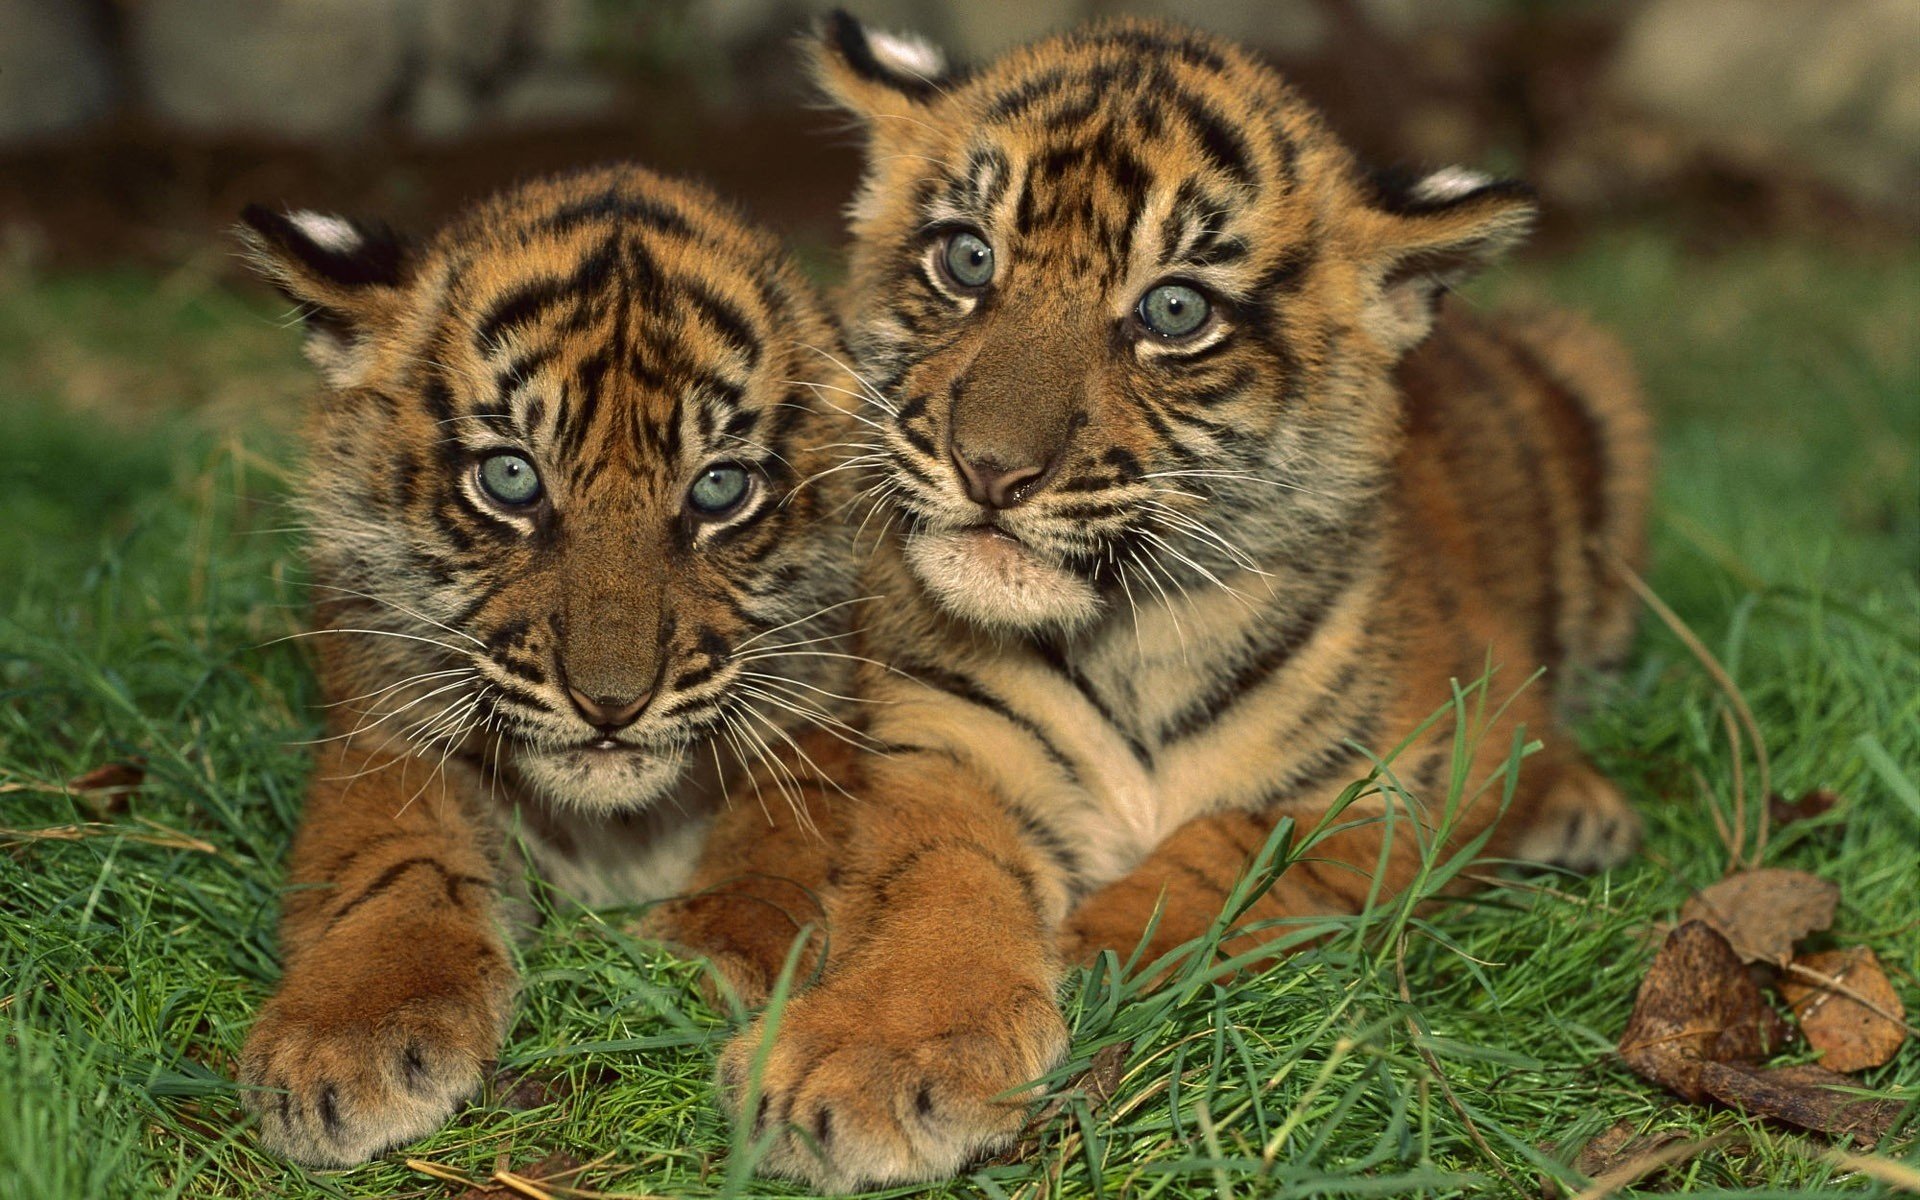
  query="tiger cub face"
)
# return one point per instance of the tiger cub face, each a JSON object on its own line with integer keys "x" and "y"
{"x": 1134, "y": 310}
{"x": 556, "y": 486}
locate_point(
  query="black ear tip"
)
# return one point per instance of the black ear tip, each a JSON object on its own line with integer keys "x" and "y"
{"x": 847, "y": 36}
{"x": 264, "y": 221}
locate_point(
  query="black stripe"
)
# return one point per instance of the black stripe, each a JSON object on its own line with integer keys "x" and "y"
{"x": 617, "y": 206}
{"x": 521, "y": 306}
{"x": 727, "y": 320}
{"x": 1014, "y": 103}
{"x": 964, "y": 688}
{"x": 882, "y": 882}
{"x": 1290, "y": 638}
{"x": 1046, "y": 839}
{"x": 1056, "y": 658}
{"x": 387, "y": 878}
{"x": 1221, "y": 143}
{"x": 1186, "y": 48}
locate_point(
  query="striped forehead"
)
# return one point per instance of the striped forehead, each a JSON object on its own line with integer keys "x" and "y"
{"x": 612, "y": 345}
{"x": 1123, "y": 144}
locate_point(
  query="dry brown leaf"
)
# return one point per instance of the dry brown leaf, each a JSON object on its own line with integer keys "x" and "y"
{"x": 1617, "y": 1144}
{"x": 104, "y": 789}
{"x": 1646, "y": 1157}
{"x": 1811, "y": 804}
{"x": 1697, "y": 1005}
{"x": 1763, "y": 912}
{"x": 1851, "y": 1035}
{"x": 1807, "y": 1096}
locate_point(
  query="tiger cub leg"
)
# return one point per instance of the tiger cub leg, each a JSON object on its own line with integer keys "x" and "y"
{"x": 1582, "y": 823}
{"x": 1566, "y": 814}
{"x": 398, "y": 984}
{"x": 911, "y": 1056}
{"x": 1179, "y": 890}
{"x": 764, "y": 874}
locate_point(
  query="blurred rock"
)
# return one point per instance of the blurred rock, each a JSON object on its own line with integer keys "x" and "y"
{"x": 314, "y": 70}
{"x": 53, "y": 73}
{"x": 1289, "y": 29}
{"x": 513, "y": 62}
{"x": 295, "y": 68}
{"x": 980, "y": 30}
{"x": 1405, "y": 18}
{"x": 1834, "y": 87}
{"x": 552, "y": 95}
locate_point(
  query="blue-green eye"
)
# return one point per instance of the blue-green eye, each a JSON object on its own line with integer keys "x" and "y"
{"x": 719, "y": 490}
{"x": 510, "y": 479}
{"x": 1174, "y": 310}
{"x": 969, "y": 259}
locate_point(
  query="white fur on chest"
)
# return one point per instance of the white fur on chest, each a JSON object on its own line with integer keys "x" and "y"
{"x": 630, "y": 858}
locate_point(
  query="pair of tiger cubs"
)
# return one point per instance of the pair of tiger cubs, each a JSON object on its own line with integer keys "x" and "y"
{"x": 1184, "y": 500}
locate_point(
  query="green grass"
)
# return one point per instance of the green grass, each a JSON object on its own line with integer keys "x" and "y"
{"x": 143, "y": 420}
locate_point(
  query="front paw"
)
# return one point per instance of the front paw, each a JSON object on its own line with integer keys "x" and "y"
{"x": 364, "y": 1048}
{"x": 874, "y": 1080}
{"x": 745, "y": 928}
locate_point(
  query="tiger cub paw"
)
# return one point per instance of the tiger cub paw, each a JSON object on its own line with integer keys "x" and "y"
{"x": 870, "y": 1081}
{"x": 350, "y": 1059}
{"x": 745, "y": 931}
{"x": 1584, "y": 824}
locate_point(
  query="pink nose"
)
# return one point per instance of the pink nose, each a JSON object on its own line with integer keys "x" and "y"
{"x": 994, "y": 485}
{"x": 608, "y": 713}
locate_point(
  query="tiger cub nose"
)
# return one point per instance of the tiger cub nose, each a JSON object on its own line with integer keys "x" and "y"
{"x": 608, "y": 713}
{"x": 990, "y": 483}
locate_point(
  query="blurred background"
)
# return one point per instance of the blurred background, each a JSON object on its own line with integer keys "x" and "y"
{"x": 1698, "y": 134}
{"x": 137, "y": 128}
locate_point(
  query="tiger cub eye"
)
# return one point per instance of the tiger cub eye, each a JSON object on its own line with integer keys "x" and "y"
{"x": 510, "y": 479}
{"x": 1174, "y": 310}
{"x": 969, "y": 259}
{"x": 719, "y": 490}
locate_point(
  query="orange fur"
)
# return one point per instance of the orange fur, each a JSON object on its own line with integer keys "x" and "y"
{"x": 548, "y": 672}
{"x": 1150, "y": 588}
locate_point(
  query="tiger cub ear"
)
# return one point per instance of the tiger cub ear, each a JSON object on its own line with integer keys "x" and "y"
{"x": 1430, "y": 232}
{"x": 874, "y": 74}
{"x": 345, "y": 275}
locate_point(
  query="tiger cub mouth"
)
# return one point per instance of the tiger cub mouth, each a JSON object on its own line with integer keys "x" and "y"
{"x": 987, "y": 575}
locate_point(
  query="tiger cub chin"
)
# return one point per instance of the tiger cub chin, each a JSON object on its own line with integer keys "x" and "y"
{"x": 562, "y": 560}
{"x": 1198, "y": 498}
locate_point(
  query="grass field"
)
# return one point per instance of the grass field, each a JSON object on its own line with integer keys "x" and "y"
{"x": 146, "y": 572}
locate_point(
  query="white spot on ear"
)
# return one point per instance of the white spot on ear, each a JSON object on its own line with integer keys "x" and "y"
{"x": 329, "y": 233}
{"x": 905, "y": 54}
{"x": 1449, "y": 183}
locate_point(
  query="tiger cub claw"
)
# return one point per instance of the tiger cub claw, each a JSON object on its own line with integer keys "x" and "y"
{"x": 866, "y": 1086}
{"x": 336, "y": 1077}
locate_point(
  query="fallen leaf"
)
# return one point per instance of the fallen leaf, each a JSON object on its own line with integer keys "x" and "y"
{"x": 1763, "y": 912}
{"x": 1619, "y": 1143}
{"x": 1811, "y": 804}
{"x": 1696, "y": 1006}
{"x": 1645, "y": 1159}
{"x": 1807, "y": 1096}
{"x": 1851, "y": 1035}
{"x": 104, "y": 789}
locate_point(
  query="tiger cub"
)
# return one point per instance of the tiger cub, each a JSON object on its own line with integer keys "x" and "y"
{"x": 563, "y": 567}
{"x": 1197, "y": 498}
